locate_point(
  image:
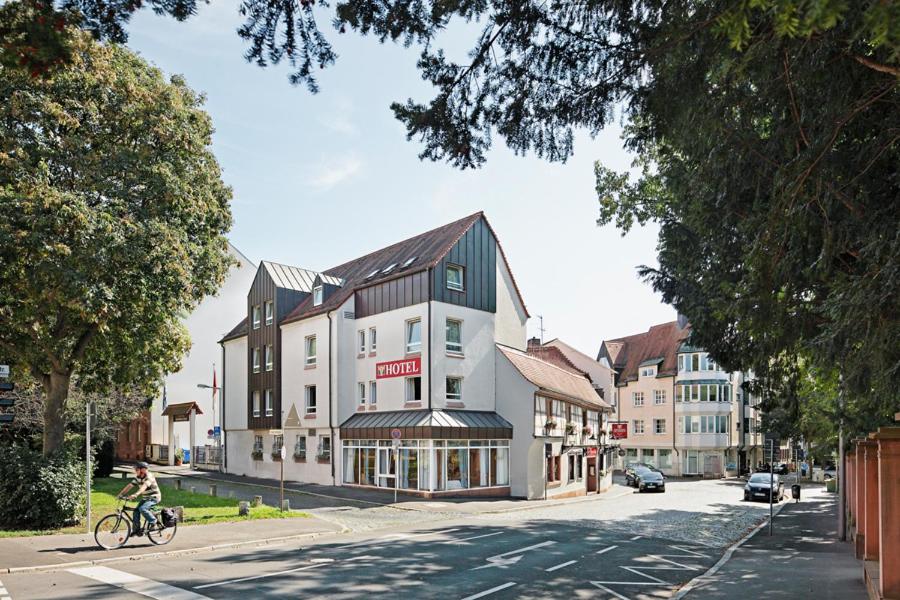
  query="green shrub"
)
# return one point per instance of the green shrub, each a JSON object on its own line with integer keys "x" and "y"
{"x": 40, "y": 493}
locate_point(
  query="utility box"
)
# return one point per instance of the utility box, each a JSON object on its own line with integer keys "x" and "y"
{"x": 795, "y": 492}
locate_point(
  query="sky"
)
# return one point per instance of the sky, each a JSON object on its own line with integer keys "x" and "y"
{"x": 322, "y": 179}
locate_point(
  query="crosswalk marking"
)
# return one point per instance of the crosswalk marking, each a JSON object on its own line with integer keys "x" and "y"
{"x": 136, "y": 584}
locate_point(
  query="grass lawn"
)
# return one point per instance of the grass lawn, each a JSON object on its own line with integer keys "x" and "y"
{"x": 199, "y": 509}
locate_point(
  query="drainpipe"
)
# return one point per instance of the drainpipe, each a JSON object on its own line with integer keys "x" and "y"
{"x": 222, "y": 411}
{"x": 330, "y": 401}
{"x": 430, "y": 349}
{"x": 674, "y": 418}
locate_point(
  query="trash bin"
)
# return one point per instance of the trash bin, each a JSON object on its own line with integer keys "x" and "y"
{"x": 795, "y": 492}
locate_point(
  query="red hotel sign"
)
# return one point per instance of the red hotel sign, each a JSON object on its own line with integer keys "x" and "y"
{"x": 619, "y": 431}
{"x": 398, "y": 368}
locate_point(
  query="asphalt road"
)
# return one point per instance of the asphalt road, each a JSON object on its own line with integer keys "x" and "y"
{"x": 628, "y": 547}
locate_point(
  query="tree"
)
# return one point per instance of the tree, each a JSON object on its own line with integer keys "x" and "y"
{"x": 112, "y": 223}
{"x": 766, "y": 133}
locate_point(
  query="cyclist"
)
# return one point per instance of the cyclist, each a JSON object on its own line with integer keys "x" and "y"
{"x": 149, "y": 493}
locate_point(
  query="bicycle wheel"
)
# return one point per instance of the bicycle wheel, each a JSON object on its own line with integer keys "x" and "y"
{"x": 163, "y": 536}
{"x": 112, "y": 532}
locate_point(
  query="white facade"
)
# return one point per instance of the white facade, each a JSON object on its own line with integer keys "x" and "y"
{"x": 206, "y": 324}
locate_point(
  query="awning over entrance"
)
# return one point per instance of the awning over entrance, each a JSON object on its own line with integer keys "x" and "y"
{"x": 428, "y": 424}
{"x": 182, "y": 411}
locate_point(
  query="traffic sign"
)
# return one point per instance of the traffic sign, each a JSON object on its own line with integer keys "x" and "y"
{"x": 4, "y": 370}
{"x": 396, "y": 434}
{"x": 217, "y": 431}
{"x": 7, "y": 386}
{"x": 7, "y": 402}
{"x": 283, "y": 452}
{"x": 7, "y": 418}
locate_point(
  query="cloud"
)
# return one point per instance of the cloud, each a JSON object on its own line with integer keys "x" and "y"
{"x": 330, "y": 173}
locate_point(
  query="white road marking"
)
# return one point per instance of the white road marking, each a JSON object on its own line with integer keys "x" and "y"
{"x": 395, "y": 536}
{"x": 609, "y": 591}
{"x": 501, "y": 560}
{"x": 136, "y": 584}
{"x": 477, "y": 537}
{"x": 560, "y": 566}
{"x": 490, "y": 591}
{"x": 4, "y": 595}
{"x": 605, "y": 550}
{"x": 637, "y": 537}
{"x": 263, "y": 576}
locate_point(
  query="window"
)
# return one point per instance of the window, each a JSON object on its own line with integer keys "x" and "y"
{"x": 372, "y": 340}
{"x": 659, "y": 396}
{"x": 553, "y": 465}
{"x": 270, "y": 313}
{"x": 256, "y": 360}
{"x": 318, "y": 295}
{"x": 373, "y": 392}
{"x": 300, "y": 447}
{"x": 310, "y": 400}
{"x": 270, "y": 358}
{"x": 256, "y": 403}
{"x": 257, "y": 443}
{"x": 454, "y": 389}
{"x": 408, "y": 262}
{"x": 659, "y": 426}
{"x": 713, "y": 393}
{"x": 695, "y": 393}
{"x": 704, "y": 393}
{"x": 454, "y": 336}
{"x": 637, "y": 398}
{"x": 455, "y": 277}
{"x": 695, "y": 362}
{"x": 413, "y": 336}
{"x": 681, "y": 362}
{"x": 572, "y": 460}
{"x": 255, "y": 316}
{"x": 324, "y": 447}
{"x": 665, "y": 459}
{"x": 277, "y": 444}
{"x": 388, "y": 268}
{"x": 361, "y": 335}
{"x": 679, "y": 393}
{"x": 361, "y": 393}
{"x": 372, "y": 274}
{"x": 638, "y": 425}
{"x": 648, "y": 371}
{"x": 311, "y": 350}
{"x": 269, "y": 404}
{"x": 413, "y": 389}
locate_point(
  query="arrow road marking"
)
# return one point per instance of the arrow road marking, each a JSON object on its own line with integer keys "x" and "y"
{"x": 501, "y": 560}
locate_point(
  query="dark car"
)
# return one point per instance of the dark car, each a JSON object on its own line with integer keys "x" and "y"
{"x": 758, "y": 487}
{"x": 631, "y": 470}
{"x": 650, "y": 481}
{"x": 782, "y": 469}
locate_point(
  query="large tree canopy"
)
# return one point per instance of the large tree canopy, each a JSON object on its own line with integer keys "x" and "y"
{"x": 767, "y": 135}
{"x": 112, "y": 223}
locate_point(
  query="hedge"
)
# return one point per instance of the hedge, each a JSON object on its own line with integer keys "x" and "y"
{"x": 38, "y": 492}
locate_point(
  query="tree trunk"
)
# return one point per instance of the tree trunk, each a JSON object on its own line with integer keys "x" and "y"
{"x": 56, "y": 391}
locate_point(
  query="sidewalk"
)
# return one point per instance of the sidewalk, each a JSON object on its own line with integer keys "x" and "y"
{"x": 308, "y": 496}
{"x": 803, "y": 558}
{"x": 49, "y": 550}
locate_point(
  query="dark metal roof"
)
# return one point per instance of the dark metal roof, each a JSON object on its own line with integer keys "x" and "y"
{"x": 240, "y": 330}
{"x": 427, "y": 424}
{"x": 292, "y": 278}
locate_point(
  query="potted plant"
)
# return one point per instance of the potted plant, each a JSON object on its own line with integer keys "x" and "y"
{"x": 585, "y": 430}
{"x": 300, "y": 454}
{"x": 179, "y": 457}
{"x": 323, "y": 457}
{"x": 256, "y": 454}
{"x": 276, "y": 454}
{"x": 570, "y": 428}
{"x": 550, "y": 425}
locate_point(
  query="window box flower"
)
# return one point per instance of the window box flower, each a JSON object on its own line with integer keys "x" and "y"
{"x": 323, "y": 458}
{"x": 550, "y": 425}
{"x": 570, "y": 429}
{"x": 585, "y": 431}
{"x": 256, "y": 454}
{"x": 299, "y": 455}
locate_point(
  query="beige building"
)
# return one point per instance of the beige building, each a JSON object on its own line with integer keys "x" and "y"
{"x": 679, "y": 410}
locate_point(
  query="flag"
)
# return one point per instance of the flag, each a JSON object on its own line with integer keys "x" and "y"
{"x": 164, "y": 399}
{"x": 214, "y": 387}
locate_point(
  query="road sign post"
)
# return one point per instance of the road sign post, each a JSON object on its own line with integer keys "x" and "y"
{"x": 396, "y": 435}
{"x": 88, "y": 414}
{"x": 770, "y": 449}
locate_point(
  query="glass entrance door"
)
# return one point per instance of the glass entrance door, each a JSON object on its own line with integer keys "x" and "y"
{"x": 387, "y": 467}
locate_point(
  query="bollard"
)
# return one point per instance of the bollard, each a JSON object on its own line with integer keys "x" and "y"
{"x": 177, "y": 484}
{"x": 257, "y": 501}
{"x": 179, "y": 513}
{"x": 124, "y": 474}
{"x": 243, "y": 508}
{"x": 212, "y": 490}
{"x": 286, "y": 505}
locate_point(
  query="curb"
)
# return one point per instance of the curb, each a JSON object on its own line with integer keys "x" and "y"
{"x": 689, "y": 586}
{"x": 152, "y": 555}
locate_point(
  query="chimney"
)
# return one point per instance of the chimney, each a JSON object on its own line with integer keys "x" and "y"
{"x": 534, "y": 343}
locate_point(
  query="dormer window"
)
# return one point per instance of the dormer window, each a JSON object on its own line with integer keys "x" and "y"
{"x": 648, "y": 371}
{"x": 455, "y": 278}
{"x": 318, "y": 295}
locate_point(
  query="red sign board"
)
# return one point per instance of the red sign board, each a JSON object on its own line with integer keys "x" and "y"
{"x": 592, "y": 452}
{"x": 619, "y": 431}
{"x": 398, "y": 368}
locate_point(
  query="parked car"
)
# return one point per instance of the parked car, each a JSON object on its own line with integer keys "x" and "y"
{"x": 650, "y": 481}
{"x": 782, "y": 469}
{"x": 758, "y": 487}
{"x": 830, "y": 472}
{"x": 631, "y": 472}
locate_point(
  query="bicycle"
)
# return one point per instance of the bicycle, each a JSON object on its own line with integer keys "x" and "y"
{"x": 114, "y": 530}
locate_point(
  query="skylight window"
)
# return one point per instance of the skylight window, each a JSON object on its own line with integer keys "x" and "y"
{"x": 408, "y": 262}
{"x": 389, "y": 268}
{"x": 372, "y": 274}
